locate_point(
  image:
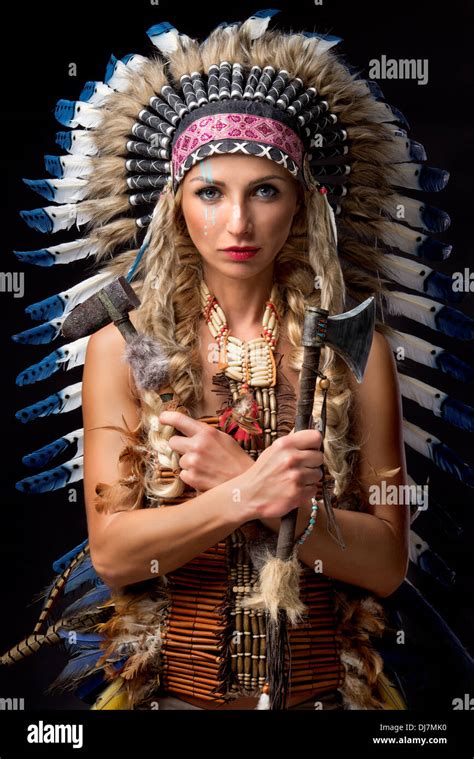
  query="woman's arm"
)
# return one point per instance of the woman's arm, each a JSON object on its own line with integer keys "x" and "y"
{"x": 376, "y": 556}
{"x": 130, "y": 546}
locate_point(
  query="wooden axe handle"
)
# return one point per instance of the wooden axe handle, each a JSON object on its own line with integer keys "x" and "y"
{"x": 311, "y": 358}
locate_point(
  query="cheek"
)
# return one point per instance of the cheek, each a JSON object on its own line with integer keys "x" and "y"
{"x": 276, "y": 223}
{"x": 202, "y": 220}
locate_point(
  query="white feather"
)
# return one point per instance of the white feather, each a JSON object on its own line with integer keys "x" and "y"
{"x": 413, "y": 307}
{"x": 65, "y": 216}
{"x": 121, "y": 78}
{"x": 70, "y": 190}
{"x": 84, "y": 290}
{"x": 404, "y": 238}
{"x": 167, "y": 42}
{"x": 419, "y": 439}
{"x": 73, "y": 354}
{"x": 78, "y": 437}
{"x": 101, "y": 94}
{"x": 415, "y": 348}
{"x": 85, "y": 115}
{"x": 76, "y": 166}
{"x": 82, "y": 143}
{"x": 137, "y": 62}
{"x": 417, "y": 547}
{"x": 256, "y": 25}
{"x": 409, "y": 273}
{"x": 71, "y": 397}
{"x": 76, "y": 468}
{"x": 405, "y": 209}
{"x": 421, "y": 393}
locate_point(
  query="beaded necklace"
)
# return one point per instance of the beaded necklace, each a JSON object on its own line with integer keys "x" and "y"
{"x": 251, "y": 370}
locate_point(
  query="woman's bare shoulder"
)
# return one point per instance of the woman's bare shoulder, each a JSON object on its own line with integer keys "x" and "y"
{"x": 105, "y": 360}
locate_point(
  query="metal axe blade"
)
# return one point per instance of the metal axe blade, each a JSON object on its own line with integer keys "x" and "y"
{"x": 350, "y": 334}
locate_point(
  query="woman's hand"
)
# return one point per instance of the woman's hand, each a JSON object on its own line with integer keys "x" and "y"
{"x": 285, "y": 475}
{"x": 208, "y": 457}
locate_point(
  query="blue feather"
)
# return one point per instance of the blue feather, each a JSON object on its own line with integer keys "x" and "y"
{"x": 431, "y": 563}
{"x": 416, "y": 151}
{"x": 52, "y": 479}
{"x": 60, "y": 564}
{"x": 39, "y": 335}
{"x": 49, "y": 308}
{"x": 78, "y": 666}
{"x": 434, "y": 250}
{"x": 44, "y": 455}
{"x": 94, "y": 597}
{"x": 409, "y": 600}
{"x": 431, "y": 179}
{"x": 87, "y": 91}
{"x": 53, "y": 404}
{"x": 45, "y": 368}
{"x": 38, "y": 219}
{"x": 228, "y": 24}
{"x": 95, "y": 681}
{"x": 126, "y": 58}
{"x": 454, "y": 367}
{"x": 439, "y": 285}
{"x": 266, "y": 13}
{"x": 449, "y": 461}
{"x": 41, "y": 408}
{"x": 41, "y": 257}
{"x": 458, "y": 413}
{"x": 66, "y": 357}
{"x": 455, "y": 323}
{"x": 446, "y": 523}
{"x": 372, "y": 85}
{"x": 110, "y": 69}
{"x": 81, "y": 639}
{"x": 64, "y": 140}
{"x": 42, "y": 187}
{"x": 84, "y": 572}
{"x": 400, "y": 117}
{"x": 434, "y": 219}
{"x": 53, "y": 166}
{"x": 327, "y": 37}
{"x": 65, "y": 111}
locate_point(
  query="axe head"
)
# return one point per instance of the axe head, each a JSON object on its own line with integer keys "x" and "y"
{"x": 350, "y": 334}
{"x": 90, "y": 315}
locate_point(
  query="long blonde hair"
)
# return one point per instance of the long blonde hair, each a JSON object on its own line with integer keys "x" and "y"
{"x": 170, "y": 312}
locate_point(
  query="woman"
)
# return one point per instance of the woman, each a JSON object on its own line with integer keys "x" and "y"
{"x": 254, "y": 139}
{"x": 229, "y": 201}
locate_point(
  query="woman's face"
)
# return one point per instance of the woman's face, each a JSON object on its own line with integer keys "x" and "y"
{"x": 239, "y": 201}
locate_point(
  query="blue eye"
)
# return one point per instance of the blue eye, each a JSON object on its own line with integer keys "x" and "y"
{"x": 206, "y": 189}
{"x": 269, "y": 187}
{"x": 203, "y": 190}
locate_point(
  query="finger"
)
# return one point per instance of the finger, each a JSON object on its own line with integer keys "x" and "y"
{"x": 311, "y": 459}
{"x": 305, "y": 439}
{"x": 180, "y": 444}
{"x": 182, "y": 422}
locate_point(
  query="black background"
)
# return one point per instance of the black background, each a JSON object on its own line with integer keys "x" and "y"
{"x": 38, "y": 45}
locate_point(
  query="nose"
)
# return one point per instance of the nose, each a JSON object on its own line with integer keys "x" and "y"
{"x": 239, "y": 222}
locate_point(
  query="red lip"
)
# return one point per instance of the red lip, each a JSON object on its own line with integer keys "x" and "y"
{"x": 246, "y": 249}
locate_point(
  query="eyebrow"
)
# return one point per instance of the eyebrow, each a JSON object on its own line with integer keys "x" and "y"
{"x": 256, "y": 181}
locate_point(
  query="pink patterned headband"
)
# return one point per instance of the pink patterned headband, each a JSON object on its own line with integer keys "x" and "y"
{"x": 260, "y": 132}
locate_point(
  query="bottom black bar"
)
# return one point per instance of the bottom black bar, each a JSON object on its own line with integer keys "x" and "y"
{"x": 340, "y": 734}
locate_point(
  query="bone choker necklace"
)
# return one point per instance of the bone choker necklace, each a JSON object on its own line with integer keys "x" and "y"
{"x": 250, "y": 366}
